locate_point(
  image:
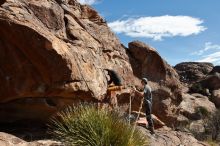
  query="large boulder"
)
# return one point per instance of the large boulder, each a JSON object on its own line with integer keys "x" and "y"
{"x": 195, "y": 107}
{"x": 146, "y": 62}
{"x": 208, "y": 83}
{"x": 53, "y": 53}
{"x": 164, "y": 81}
{"x": 191, "y": 72}
{"x": 56, "y": 52}
{"x": 215, "y": 69}
{"x": 216, "y": 97}
{"x": 211, "y": 82}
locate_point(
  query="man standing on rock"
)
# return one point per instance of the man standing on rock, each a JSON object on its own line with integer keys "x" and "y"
{"x": 147, "y": 95}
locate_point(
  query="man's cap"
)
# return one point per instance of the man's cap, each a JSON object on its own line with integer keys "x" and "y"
{"x": 145, "y": 80}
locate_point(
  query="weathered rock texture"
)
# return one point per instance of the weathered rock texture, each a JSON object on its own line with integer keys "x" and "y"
{"x": 216, "y": 97}
{"x": 146, "y": 62}
{"x": 215, "y": 69}
{"x": 211, "y": 82}
{"x": 51, "y": 50}
{"x": 10, "y": 140}
{"x": 2, "y": 2}
{"x": 164, "y": 137}
{"x": 168, "y": 137}
{"x": 195, "y": 107}
{"x": 201, "y": 78}
{"x": 53, "y": 53}
{"x": 191, "y": 72}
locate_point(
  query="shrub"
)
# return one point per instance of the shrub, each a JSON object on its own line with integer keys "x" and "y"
{"x": 213, "y": 125}
{"x": 196, "y": 88}
{"x": 202, "y": 111}
{"x": 86, "y": 125}
{"x": 212, "y": 143}
{"x": 198, "y": 135}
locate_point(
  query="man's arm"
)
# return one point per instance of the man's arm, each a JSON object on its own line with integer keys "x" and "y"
{"x": 140, "y": 93}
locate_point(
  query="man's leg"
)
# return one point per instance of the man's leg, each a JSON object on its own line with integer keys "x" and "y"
{"x": 149, "y": 117}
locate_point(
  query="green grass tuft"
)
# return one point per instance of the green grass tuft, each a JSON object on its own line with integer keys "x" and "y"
{"x": 212, "y": 143}
{"x": 203, "y": 111}
{"x": 86, "y": 125}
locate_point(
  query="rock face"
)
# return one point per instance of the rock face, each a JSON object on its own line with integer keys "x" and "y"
{"x": 209, "y": 85}
{"x": 55, "y": 50}
{"x": 168, "y": 137}
{"x": 191, "y": 72}
{"x": 216, "y": 97}
{"x": 10, "y": 140}
{"x": 53, "y": 53}
{"x": 215, "y": 69}
{"x": 164, "y": 137}
{"x": 211, "y": 82}
{"x": 146, "y": 62}
{"x": 195, "y": 106}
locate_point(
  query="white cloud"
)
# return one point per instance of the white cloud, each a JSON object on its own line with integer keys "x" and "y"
{"x": 208, "y": 46}
{"x": 158, "y": 27}
{"x": 213, "y": 58}
{"x": 89, "y": 2}
{"x": 210, "y": 53}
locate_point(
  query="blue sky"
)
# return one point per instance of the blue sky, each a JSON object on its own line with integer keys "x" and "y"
{"x": 180, "y": 30}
